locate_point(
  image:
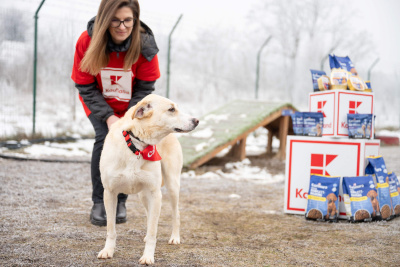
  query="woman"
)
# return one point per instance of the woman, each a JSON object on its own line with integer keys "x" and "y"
{"x": 115, "y": 66}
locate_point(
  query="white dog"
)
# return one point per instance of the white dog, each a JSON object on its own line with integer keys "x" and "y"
{"x": 148, "y": 123}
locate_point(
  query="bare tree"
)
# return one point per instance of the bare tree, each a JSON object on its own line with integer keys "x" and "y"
{"x": 304, "y": 32}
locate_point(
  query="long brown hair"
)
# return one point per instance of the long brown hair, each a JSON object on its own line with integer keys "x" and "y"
{"x": 96, "y": 56}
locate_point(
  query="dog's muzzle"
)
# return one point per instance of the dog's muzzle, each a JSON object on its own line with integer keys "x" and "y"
{"x": 194, "y": 123}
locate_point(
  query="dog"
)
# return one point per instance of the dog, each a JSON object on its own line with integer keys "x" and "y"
{"x": 331, "y": 206}
{"x": 319, "y": 129}
{"x": 124, "y": 168}
{"x": 374, "y": 201}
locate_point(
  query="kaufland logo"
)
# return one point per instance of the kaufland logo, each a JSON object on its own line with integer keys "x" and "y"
{"x": 115, "y": 79}
{"x": 353, "y": 106}
{"x": 320, "y": 107}
{"x": 320, "y": 162}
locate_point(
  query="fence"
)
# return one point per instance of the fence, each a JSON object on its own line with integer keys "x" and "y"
{"x": 210, "y": 66}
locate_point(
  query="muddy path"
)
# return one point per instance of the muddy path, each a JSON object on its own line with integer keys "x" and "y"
{"x": 44, "y": 221}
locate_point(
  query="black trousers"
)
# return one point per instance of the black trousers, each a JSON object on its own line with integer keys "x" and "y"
{"x": 101, "y": 130}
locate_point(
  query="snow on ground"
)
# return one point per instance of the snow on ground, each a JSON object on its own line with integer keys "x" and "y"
{"x": 205, "y": 133}
{"x": 255, "y": 145}
{"x": 388, "y": 133}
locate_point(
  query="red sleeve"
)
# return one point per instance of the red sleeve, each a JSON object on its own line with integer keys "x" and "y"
{"x": 148, "y": 70}
{"x": 77, "y": 75}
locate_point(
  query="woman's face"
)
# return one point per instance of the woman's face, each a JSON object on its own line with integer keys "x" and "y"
{"x": 121, "y": 33}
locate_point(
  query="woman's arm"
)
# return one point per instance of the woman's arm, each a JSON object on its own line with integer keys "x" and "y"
{"x": 95, "y": 101}
{"x": 140, "y": 90}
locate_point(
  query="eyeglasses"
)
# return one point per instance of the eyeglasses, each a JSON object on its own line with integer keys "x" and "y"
{"x": 128, "y": 23}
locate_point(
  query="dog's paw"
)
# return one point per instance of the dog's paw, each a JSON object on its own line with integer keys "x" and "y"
{"x": 174, "y": 240}
{"x": 146, "y": 260}
{"x": 106, "y": 253}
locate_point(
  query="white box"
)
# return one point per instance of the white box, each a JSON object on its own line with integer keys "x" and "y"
{"x": 336, "y": 104}
{"x": 327, "y": 156}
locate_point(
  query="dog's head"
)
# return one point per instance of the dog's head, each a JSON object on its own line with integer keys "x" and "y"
{"x": 372, "y": 194}
{"x": 155, "y": 117}
{"x": 331, "y": 197}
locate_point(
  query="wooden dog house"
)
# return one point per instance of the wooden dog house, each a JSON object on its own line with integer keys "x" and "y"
{"x": 230, "y": 125}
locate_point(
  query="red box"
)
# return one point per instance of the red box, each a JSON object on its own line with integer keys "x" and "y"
{"x": 336, "y": 104}
{"x": 326, "y": 156}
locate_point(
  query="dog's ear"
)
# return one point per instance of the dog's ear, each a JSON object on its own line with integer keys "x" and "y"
{"x": 143, "y": 110}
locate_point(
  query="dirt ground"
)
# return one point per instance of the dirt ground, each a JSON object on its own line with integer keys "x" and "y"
{"x": 44, "y": 221}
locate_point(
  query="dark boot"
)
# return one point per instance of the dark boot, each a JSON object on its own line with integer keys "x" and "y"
{"x": 121, "y": 212}
{"x": 98, "y": 215}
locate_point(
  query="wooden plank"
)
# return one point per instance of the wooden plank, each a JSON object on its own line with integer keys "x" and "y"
{"x": 209, "y": 156}
{"x": 283, "y": 131}
{"x": 238, "y": 150}
{"x": 269, "y": 144}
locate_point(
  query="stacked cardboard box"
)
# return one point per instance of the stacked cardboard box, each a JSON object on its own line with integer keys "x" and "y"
{"x": 332, "y": 154}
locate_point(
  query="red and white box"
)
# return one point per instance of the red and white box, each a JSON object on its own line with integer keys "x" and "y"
{"x": 326, "y": 156}
{"x": 336, "y": 104}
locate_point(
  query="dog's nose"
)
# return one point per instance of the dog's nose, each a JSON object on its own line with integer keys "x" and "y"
{"x": 195, "y": 121}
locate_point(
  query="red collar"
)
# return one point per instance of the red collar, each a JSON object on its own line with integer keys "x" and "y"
{"x": 149, "y": 153}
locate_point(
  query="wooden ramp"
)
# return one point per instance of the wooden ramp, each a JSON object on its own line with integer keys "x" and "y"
{"x": 230, "y": 125}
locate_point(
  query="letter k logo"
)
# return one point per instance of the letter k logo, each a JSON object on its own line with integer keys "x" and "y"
{"x": 319, "y": 162}
{"x": 353, "y": 105}
{"x": 115, "y": 79}
{"x": 320, "y": 108}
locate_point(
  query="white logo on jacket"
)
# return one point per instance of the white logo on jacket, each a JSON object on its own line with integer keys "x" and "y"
{"x": 117, "y": 83}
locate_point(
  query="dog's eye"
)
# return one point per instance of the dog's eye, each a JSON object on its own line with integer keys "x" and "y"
{"x": 171, "y": 110}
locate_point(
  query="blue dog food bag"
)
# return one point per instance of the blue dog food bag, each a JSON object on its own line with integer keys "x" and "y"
{"x": 394, "y": 187}
{"x": 315, "y": 75}
{"x": 362, "y": 195}
{"x": 297, "y": 120}
{"x": 345, "y": 63}
{"x": 323, "y": 195}
{"x": 359, "y": 125}
{"x": 346, "y": 199}
{"x": 313, "y": 123}
{"x": 377, "y": 167}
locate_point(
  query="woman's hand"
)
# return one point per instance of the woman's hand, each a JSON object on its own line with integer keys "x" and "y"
{"x": 111, "y": 120}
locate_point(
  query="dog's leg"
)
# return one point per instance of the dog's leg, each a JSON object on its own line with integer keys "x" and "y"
{"x": 110, "y": 203}
{"x": 153, "y": 214}
{"x": 145, "y": 204}
{"x": 173, "y": 186}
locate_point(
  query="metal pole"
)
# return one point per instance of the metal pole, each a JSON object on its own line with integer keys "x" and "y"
{"x": 323, "y": 61}
{"x": 370, "y": 68}
{"x": 169, "y": 53}
{"x": 34, "y": 68}
{"x": 325, "y": 58}
{"x": 258, "y": 63}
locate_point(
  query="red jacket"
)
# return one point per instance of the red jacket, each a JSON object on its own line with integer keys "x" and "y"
{"x": 115, "y": 84}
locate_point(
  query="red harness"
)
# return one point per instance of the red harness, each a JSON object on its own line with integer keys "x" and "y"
{"x": 149, "y": 153}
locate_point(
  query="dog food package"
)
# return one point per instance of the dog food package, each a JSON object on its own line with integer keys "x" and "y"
{"x": 315, "y": 75}
{"x": 346, "y": 199}
{"x": 345, "y": 63}
{"x": 362, "y": 194}
{"x": 394, "y": 187}
{"x": 297, "y": 120}
{"x": 339, "y": 79}
{"x": 355, "y": 83}
{"x": 313, "y": 123}
{"x": 377, "y": 168}
{"x": 324, "y": 83}
{"x": 368, "y": 86}
{"x": 359, "y": 126}
{"x": 323, "y": 195}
